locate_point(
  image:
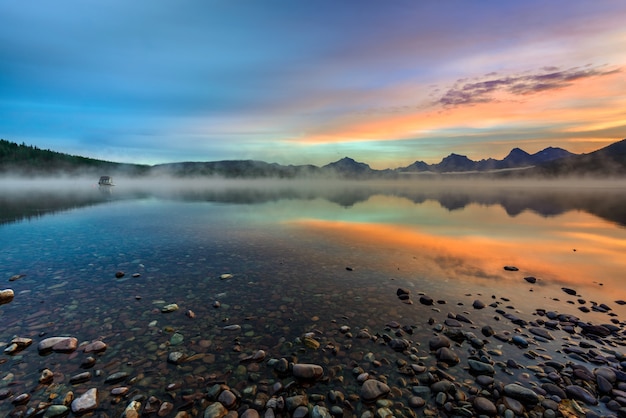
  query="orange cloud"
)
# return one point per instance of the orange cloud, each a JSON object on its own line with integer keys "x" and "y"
{"x": 574, "y": 109}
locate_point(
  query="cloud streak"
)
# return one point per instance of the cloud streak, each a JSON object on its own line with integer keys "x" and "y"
{"x": 472, "y": 92}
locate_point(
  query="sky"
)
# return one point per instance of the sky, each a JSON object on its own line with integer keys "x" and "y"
{"x": 309, "y": 82}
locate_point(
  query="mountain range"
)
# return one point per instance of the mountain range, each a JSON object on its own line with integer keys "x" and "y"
{"x": 551, "y": 162}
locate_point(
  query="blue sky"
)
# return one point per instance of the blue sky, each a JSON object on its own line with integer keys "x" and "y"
{"x": 386, "y": 83}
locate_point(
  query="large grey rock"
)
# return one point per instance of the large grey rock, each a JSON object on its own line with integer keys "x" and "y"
{"x": 86, "y": 402}
{"x": 57, "y": 344}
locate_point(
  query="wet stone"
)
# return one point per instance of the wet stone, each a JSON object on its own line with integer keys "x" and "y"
{"x": 215, "y": 410}
{"x": 438, "y": 341}
{"x": 580, "y": 394}
{"x": 521, "y": 393}
{"x": 480, "y": 368}
{"x": 373, "y": 389}
{"x": 477, "y": 304}
{"x": 307, "y": 371}
{"x": 169, "y": 308}
{"x": 484, "y": 406}
{"x": 57, "y": 344}
{"x": 6, "y": 296}
{"x": 56, "y": 411}
{"x": 95, "y": 347}
{"x": 88, "y": 401}
{"x": 227, "y": 398}
{"x": 426, "y": 300}
{"x": 116, "y": 377}
{"x": 447, "y": 356}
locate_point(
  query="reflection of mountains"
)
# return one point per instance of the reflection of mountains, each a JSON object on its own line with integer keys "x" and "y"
{"x": 550, "y": 201}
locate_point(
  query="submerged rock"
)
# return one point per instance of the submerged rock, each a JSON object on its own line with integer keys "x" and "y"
{"x": 6, "y": 296}
{"x": 88, "y": 401}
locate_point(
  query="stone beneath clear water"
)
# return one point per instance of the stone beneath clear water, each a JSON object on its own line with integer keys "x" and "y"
{"x": 307, "y": 371}
{"x": 86, "y": 402}
{"x": 6, "y": 296}
{"x": 169, "y": 308}
{"x": 95, "y": 347}
{"x": 57, "y": 344}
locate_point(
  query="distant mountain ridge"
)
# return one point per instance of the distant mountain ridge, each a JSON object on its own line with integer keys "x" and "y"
{"x": 551, "y": 162}
{"x": 517, "y": 158}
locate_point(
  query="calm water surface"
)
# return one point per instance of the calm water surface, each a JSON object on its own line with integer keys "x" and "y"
{"x": 303, "y": 258}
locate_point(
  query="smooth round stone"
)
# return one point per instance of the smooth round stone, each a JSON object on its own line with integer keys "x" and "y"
{"x": 416, "y": 402}
{"x": 580, "y": 394}
{"x": 484, "y": 406}
{"x": 227, "y": 398}
{"x": 514, "y": 405}
{"x": 120, "y": 391}
{"x": 426, "y": 300}
{"x": 88, "y": 362}
{"x": 519, "y": 341}
{"x": 250, "y": 413}
{"x": 46, "y": 376}
{"x": 116, "y": 377}
{"x": 58, "y": 344}
{"x": 215, "y": 410}
{"x": 484, "y": 380}
{"x": 477, "y": 304}
{"x": 438, "y": 341}
{"x": 300, "y": 412}
{"x": 478, "y": 367}
{"x": 447, "y": 356}
{"x": 521, "y": 393}
{"x": 307, "y": 371}
{"x": 56, "y": 411}
{"x": 399, "y": 344}
{"x": 86, "y": 402}
{"x": 373, "y": 389}
{"x": 95, "y": 347}
{"x": 541, "y": 332}
{"x": 80, "y": 378}
{"x": 6, "y": 296}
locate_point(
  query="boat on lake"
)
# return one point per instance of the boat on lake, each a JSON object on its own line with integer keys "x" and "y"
{"x": 105, "y": 181}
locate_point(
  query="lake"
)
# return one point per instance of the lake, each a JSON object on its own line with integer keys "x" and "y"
{"x": 202, "y": 287}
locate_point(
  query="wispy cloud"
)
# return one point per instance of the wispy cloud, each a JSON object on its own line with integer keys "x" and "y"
{"x": 465, "y": 92}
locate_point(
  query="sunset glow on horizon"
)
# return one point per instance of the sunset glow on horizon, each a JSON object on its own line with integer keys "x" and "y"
{"x": 294, "y": 83}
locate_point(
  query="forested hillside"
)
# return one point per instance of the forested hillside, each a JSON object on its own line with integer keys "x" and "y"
{"x": 28, "y": 159}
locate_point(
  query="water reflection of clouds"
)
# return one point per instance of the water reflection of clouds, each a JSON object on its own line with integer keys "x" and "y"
{"x": 473, "y": 257}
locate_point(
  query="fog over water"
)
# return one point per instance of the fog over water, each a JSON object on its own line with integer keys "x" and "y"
{"x": 299, "y": 257}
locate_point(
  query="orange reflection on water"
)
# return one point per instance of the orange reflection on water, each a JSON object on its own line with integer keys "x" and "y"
{"x": 552, "y": 258}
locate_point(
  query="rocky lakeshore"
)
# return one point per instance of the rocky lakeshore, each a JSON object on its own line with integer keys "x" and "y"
{"x": 423, "y": 356}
